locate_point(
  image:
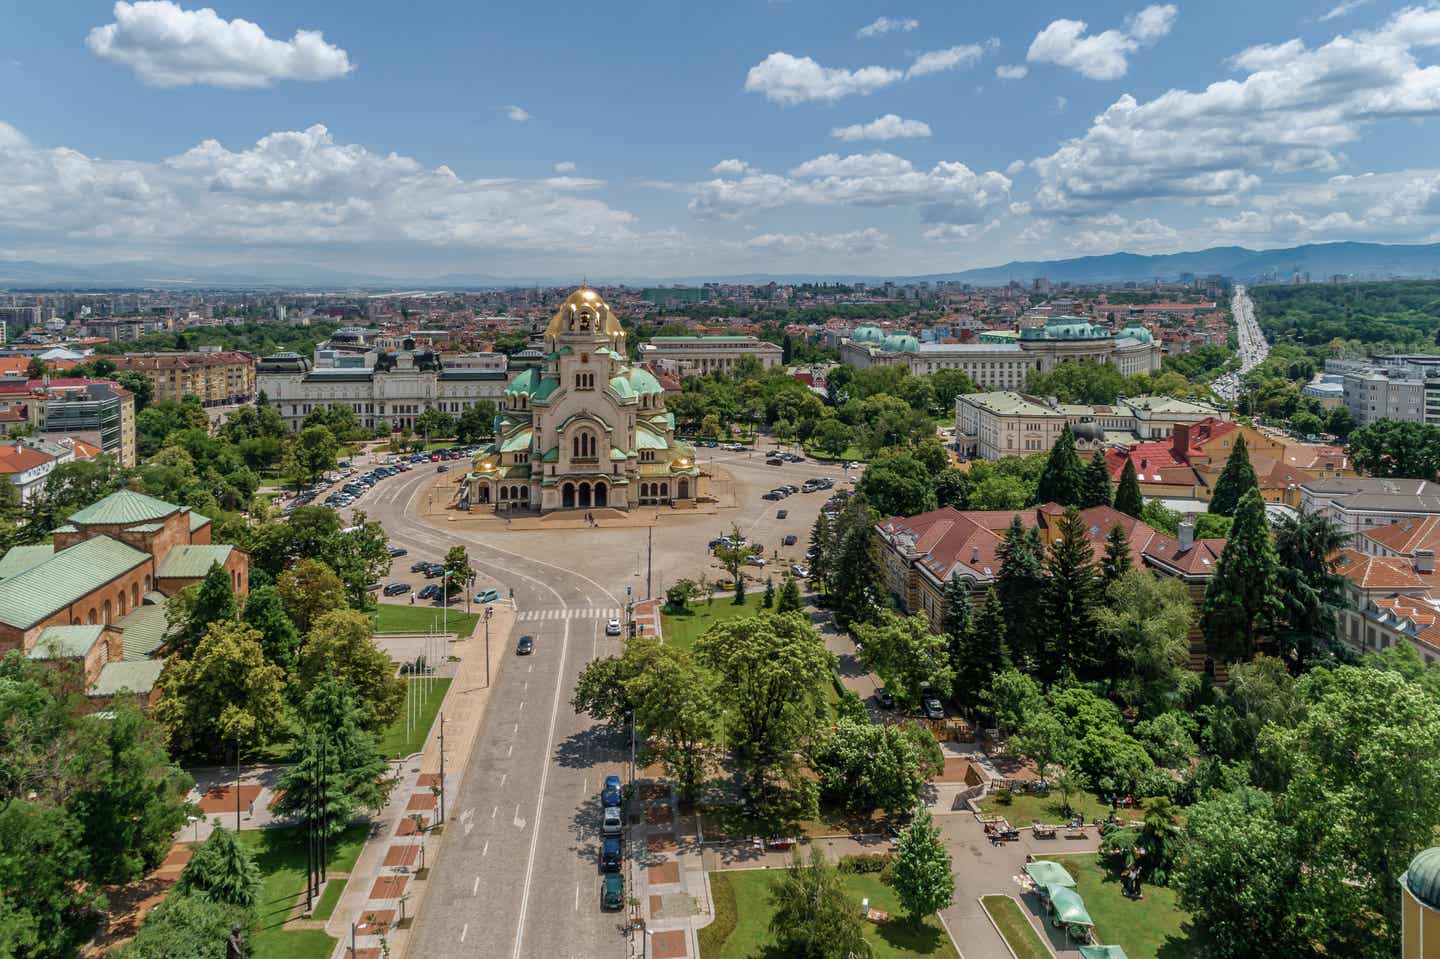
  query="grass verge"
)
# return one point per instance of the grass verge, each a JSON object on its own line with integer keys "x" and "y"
{"x": 682, "y": 631}
{"x": 395, "y": 618}
{"x": 395, "y": 743}
{"x": 722, "y": 900}
{"x": 1145, "y": 928}
{"x": 750, "y": 938}
{"x": 329, "y": 899}
{"x": 1026, "y": 808}
{"x": 1019, "y": 935}
{"x": 281, "y": 857}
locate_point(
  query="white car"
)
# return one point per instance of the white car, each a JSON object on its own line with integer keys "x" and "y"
{"x": 612, "y": 628}
{"x": 755, "y": 560}
{"x": 612, "y": 824}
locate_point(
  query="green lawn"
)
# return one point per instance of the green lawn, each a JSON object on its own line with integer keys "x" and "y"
{"x": 1026, "y": 808}
{"x": 395, "y": 618}
{"x": 684, "y": 630}
{"x": 1149, "y": 928}
{"x": 1019, "y": 935}
{"x": 751, "y": 939}
{"x": 852, "y": 454}
{"x": 280, "y": 853}
{"x": 394, "y": 743}
{"x": 329, "y": 899}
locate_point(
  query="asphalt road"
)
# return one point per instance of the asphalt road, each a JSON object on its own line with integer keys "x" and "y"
{"x": 1253, "y": 346}
{"x": 518, "y": 873}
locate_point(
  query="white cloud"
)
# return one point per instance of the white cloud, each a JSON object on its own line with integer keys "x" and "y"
{"x": 517, "y": 113}
{"x": 957, "y": 232}
{"x": 1011, "y": 71}
{"x": 788, "y": 80}
{"x": 1101, "y": 56}
{"x": 884, "y": 25}
{"x": 1015, "y": 168}
{"x": 731, "y": 167}
{"x": 949, "y": 192}
{"x": 565, "y": 166}
{"x": 888, "y": 127}
{"x": 168, "y": 46}
{"x": 952, "y": 58}
{"x": 852, "y": 243}
{"x": 1342, "y": 8}
{"x": 1113, "y": 234}
{"x": 1295, "y": 110}
{"x": 291, "y": 190}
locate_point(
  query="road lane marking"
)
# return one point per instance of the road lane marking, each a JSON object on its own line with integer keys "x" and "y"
{"x": 519, "y": 823}
{"x": 511, "y": 750}
{"x": 503, "y": 777}
{"x": 540, "y": 794}
{"x": 475, "y": 889}
{"x": 463, "y": 931}
{"x": 522, "y": 705}
{"x": 483, "y": 853}
{"x": 494, "y": 811}
{"x": 577, "y": 897}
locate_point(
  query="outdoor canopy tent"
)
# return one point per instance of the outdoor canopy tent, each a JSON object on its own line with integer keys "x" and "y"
{"x": 1066, "y": 906}
{"x": 1102, "y": 952}
{"x": 1047, "y": 873}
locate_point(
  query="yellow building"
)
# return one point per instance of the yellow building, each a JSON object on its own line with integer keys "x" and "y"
{"x": 214, "y": 378}
{"x": 1420, "y": 907}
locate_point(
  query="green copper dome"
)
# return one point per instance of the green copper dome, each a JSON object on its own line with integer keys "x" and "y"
{"x": 1423, "y": 877}
{"x": 900, "y": 343}
{"x": 868, "y": 334}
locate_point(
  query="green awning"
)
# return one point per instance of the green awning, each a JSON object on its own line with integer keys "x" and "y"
{"x": 1047, "y": 873}
{"x": 1067, "y": 906}
{"x": 1103, "y": 952}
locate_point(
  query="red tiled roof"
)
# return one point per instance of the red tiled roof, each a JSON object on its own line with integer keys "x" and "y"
{"x": 18, "y": 459}
{"x": 1189, "y": 437}
{"x": 1382, "y": 572}
{"x": 1408, "y": 535}
{"x": 1154, "y": 463}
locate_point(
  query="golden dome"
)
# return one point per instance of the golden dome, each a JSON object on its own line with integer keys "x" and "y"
{"x": 583, "y": 312}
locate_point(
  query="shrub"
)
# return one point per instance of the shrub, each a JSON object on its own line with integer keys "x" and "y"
{"x": 865, "y": 863}
{"x": 1004, "y": 797}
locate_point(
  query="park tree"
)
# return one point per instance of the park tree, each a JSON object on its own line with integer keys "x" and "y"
{"x": 898, "y": 486}
{"x": 1145, "y": 622}
{"x": 212, "y": 600}
{"x": 1236, "y": 479}
{"x": 1069, "y": 599}
{"x": 476, "y": 422}
{"x": 46, "y": 910}
{"x": 221, "y": 870}
{"x": 312, "y": 453}
{"x": 308, "y": 591}
{"x": 1011, "y": 700}
{"x": 771, "y": 672}
{"x": 225, "y": 693}
{"x": 1063, "y": 478}
{"x": 359, "y": 555}
{"x": 833, "y": 438}
{"x": 815, "y": 918}
{"x": 1242, "y": 599}
{"x": 1311, "y": 592}
{"x": 923, "y": 878}
{"x": 1043, "y": 741}
{"x": 732, "y": 557}
{"x": 339, "y": 647}
{"x": 789, "y": 600}
{"x": 979, "y": 652}
{"x": 856, "y": 577}
{"x": 867, "y": 766}
{"x": 340, "y": 769}
{"x": 675, "y": 717}
{"x": 1020, "y": 586}
{"x": 458, "y": 571}
{"x": 601, "y": 691}
{"x": 433, "y": 423}
{"x": 265, "y": 612}
{"x": 955, "y": 606}
{"x": 767, "y": 599}
{"x": 904, "y": 653}
{"x": 1396, "y": 448}
{"x": 191, "y": 926}
{"x": 1096, "y": 489}
{"x": 821, "y": 552}
{"x": 1116, "y": 562}
{"x": 1127, "y": 495}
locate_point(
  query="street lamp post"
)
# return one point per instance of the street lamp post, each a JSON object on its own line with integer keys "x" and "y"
{"x": 488, "y": 611}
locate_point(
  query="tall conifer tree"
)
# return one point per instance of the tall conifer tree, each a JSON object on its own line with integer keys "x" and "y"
{"x": 1127, "y": 495}
{"x": 1236, "y": 479}
{"x": 1063, "y": 478}
{"x": 1117, "y": 555}
{"x": 1097, "y": 490}
{"x": 1071, "y": 594}
{"x": 1019, "y": 585}
{"x": 1242, "y": 597}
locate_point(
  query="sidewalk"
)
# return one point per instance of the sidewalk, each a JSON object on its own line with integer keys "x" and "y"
{"x": 387, "y": 883}
{"x": 667, "y": 875}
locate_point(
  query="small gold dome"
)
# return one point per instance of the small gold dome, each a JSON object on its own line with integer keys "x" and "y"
{"x": 583, "y": 311}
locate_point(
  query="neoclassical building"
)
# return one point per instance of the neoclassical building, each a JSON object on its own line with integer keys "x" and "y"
{"x": 584, "y": 429}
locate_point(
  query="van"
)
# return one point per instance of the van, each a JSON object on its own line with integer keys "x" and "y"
{"x": 487, "y": 596}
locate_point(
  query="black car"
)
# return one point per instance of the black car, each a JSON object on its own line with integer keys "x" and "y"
{"x": 883, "y": 697}
{"x": 789, "y": 540}
{"x": 429, "y": 592}
{"x": 782, "y": 514}
{"x": 525, "y": 646}
{"x": 772, "y": 495}
{"x": 611, "y": 854}
{"x": 397, "y": 589}
{"x": 434, "y": 570}
{"x": 397, "y": 551}
{"x": 420, "y": 566}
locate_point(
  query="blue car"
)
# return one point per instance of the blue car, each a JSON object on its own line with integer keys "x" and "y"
{"x": 610, "y": 795}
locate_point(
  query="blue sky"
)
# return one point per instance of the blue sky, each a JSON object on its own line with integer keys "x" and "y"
{"x": 669, "y": 139}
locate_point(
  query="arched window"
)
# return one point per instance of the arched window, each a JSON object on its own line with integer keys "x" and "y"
{"x": 107, "y": 612}
{"x": 120, "y": 603}
{"x": 134, "y": 595}
{"x": 90, "y": 617}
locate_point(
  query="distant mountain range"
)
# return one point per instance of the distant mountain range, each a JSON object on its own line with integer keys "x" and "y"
{"x": 1320, "y": 260}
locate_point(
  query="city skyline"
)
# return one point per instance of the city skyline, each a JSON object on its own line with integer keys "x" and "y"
{"x": 872, "y": 140}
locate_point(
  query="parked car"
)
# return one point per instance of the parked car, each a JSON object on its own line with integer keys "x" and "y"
{"x": 775, "y": 462}
{"x": 429, "y": 592}
{"x": 420, "y": 566}
{"x": 611, "y": 794}
{"x": 442, "y": 468}
{"x": 612, "y": 628}
{"x": 753, "y": 560}
{"x": 397, "y": 551}
{"x": 790, "y": 538}
{"x": 884, "y": 699}
{"x": 782, "y": 514}
{"x": 773, "y": 496}
{"x": 433, "y": 570}
{"x": 933, "y": 708}
{"x": 525, "y": 646}
{"x": 397, "y": 589}
{"x": 612, "y": 892}
{"x": 612, "y": 854}
{"x": 798, "y": 570}
{"x": 612, "y": 824}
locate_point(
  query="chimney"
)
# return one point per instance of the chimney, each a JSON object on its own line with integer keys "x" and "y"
{"x": 1187, "y": 535}
{"x": 974, "y": 554}
{"x": 1424, "y": 561}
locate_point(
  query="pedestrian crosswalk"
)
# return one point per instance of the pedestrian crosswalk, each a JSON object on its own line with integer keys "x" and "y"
{"x": 592, "y": 612}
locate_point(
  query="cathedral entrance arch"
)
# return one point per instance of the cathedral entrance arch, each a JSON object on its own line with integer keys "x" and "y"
{"x": 584, "y": 495}
{"x": 567, "y": 496}
{"x": 684, "y": 489}
{"x": 602, "y": 496}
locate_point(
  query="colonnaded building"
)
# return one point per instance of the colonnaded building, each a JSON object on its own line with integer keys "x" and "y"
{"x": 1002, "y": 361}
{"x": 584, "y": 429}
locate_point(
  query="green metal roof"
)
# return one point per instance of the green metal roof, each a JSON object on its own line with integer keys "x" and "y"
{"x": 644, "y": 381}
{"x": 67, "y": 528}
{"x": 617, "y": 455}
{"x": 29, "y": 597}
{"x": 65, "y": 642}
{"x": 137, "y": 677}
{"x": 184, "y": 562}
{"x": 622, "y": 386}
{"x": 648, "y": 439}
{"x": 146, "y": 528}
{"x": 519, "y": 441}
{"x": 124, "y": 508}
{"x": 547, "y": 386}
{"x": 21, "y": 558}
{"x": 142, "y": 632}
{"x": 197, "y": 521}
{"x": 552, "y": 455}
{"x": 525, "y": 382}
